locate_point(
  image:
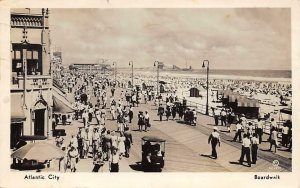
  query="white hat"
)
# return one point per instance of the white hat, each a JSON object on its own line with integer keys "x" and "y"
{"x": 216, "y": 128}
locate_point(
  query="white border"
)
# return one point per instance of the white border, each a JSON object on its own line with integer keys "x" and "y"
{"x": 232, "y": 179}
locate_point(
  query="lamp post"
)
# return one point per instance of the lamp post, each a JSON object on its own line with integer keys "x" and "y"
{"x": 25, "y": 43}
{"x": 158, "y": 65}
{"x": 131, "y": 63}
{"x": 115, "y": 64}
{"x": 203, "y": 66}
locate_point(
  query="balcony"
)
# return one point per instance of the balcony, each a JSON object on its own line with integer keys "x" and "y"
{"x": 33, "y": 82}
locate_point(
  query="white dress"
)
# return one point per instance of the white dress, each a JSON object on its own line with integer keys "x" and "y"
{"x": 121, "y": 145}
{"x": 114, "y": 140}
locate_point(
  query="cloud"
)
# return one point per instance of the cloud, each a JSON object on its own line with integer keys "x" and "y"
{"x": 253, "y": 38}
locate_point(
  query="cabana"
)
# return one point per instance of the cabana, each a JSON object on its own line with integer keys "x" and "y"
{"x": 241, "y": 104}
{"x": 194, "y": 92}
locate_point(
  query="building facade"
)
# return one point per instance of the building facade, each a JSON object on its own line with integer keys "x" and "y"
{"x": 31, "y": 81}
{"x": 91, "y": 67}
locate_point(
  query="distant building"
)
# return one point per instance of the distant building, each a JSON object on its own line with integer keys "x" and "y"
{"x": 56, "y": 61}
{"x": 91, "y": 67}
{"x": 31, "y": 83}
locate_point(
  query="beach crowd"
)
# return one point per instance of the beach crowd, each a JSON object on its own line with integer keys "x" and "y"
{"x": 94, "y": 98}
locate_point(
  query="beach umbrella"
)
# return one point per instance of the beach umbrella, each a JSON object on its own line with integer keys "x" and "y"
{"x": 40, "y": 151}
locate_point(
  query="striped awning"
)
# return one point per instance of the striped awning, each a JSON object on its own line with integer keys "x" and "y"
{"x": 248, "y": 103}
{"x": 227, "y": 93}
{"x": 60, "y": 103}
{"x": 234, "y": 96}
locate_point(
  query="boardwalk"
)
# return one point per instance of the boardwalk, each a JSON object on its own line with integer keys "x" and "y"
{"x": 187, "y": 149}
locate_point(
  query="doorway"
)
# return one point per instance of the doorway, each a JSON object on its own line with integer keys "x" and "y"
{"x": 39, "y": 122}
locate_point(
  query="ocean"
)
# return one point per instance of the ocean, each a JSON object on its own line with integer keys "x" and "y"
{"x": 250, "y": 73}
{"x": 227, "y": 72}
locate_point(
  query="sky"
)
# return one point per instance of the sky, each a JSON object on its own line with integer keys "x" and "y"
{"x": 252, "y": 38}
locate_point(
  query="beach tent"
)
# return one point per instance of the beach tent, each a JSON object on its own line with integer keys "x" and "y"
{"x": 149, "y": 85}
{"x": 194, "y": 92}
{"x": 241, "y": 104}
{"x": 162, "y": 88}
{"x": 249, "y": 107}
{"x": 218, "y": 93}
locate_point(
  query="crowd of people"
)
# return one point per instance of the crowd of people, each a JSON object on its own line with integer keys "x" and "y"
{"x": 94, "y": 140}
{"x": 250, "y": 134}
{"x": 102, "y": 144}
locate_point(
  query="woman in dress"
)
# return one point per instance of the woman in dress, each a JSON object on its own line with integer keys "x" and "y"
{"x": 114, "y": 139}
{"x": 64, "y": 160}
{"x": 141, "y": 120}
{"x": 121, "y": 144}
{"x": 168, "y": 112}
{"x": 106, "y": 145}
{"x": 173, "y": 112}
{"x": 59, "y": 140}
{"x": 73, "y": 155}
{"x": 130, "y": 113}
{"x": 274, "y": 138}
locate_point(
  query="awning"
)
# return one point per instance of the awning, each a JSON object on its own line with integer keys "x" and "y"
{"x": 32, "y": 137}
{"x": 60, "y": 103}
{"x": 153, "y": 139}
{"x": 16, "y": 106}
{"x": 286, "y": 111}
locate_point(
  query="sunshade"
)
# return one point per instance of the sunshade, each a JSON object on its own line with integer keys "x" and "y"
{"x": 40, "y": 151}
{"x": 153, "y": 139}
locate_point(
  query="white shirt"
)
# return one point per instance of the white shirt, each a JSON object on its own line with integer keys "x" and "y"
{"x": 260, "y": 125}
{"x": 216, "y": 135}
{"x": 238, "y": 126}
{"x": 254, "y": 140}
{"x": 114, "y": 158}
{"x": 285, "y": 130}
{"x": 223, "y": 113}
{"x": 274, "y": 124}
{"x": 246, "y": 142}
{"x": 217, "y": 112}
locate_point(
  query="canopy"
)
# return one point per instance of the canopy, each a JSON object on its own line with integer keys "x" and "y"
{"x": 153, "y": 139}
{"x": 33, "y": 137}
{"x": 17, "y": 112}
{"x": 248, "y": 103}
{"x": 40, "y": 151}
{"x": 286, "y": 111}
{"x": 61, "y": 104}
{"x": 162, "y": 82}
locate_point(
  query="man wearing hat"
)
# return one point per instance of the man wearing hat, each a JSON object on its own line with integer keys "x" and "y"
{"x": 214, "y": 139}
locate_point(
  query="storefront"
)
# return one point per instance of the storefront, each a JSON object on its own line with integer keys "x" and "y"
{"x": 17, "y": 118}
